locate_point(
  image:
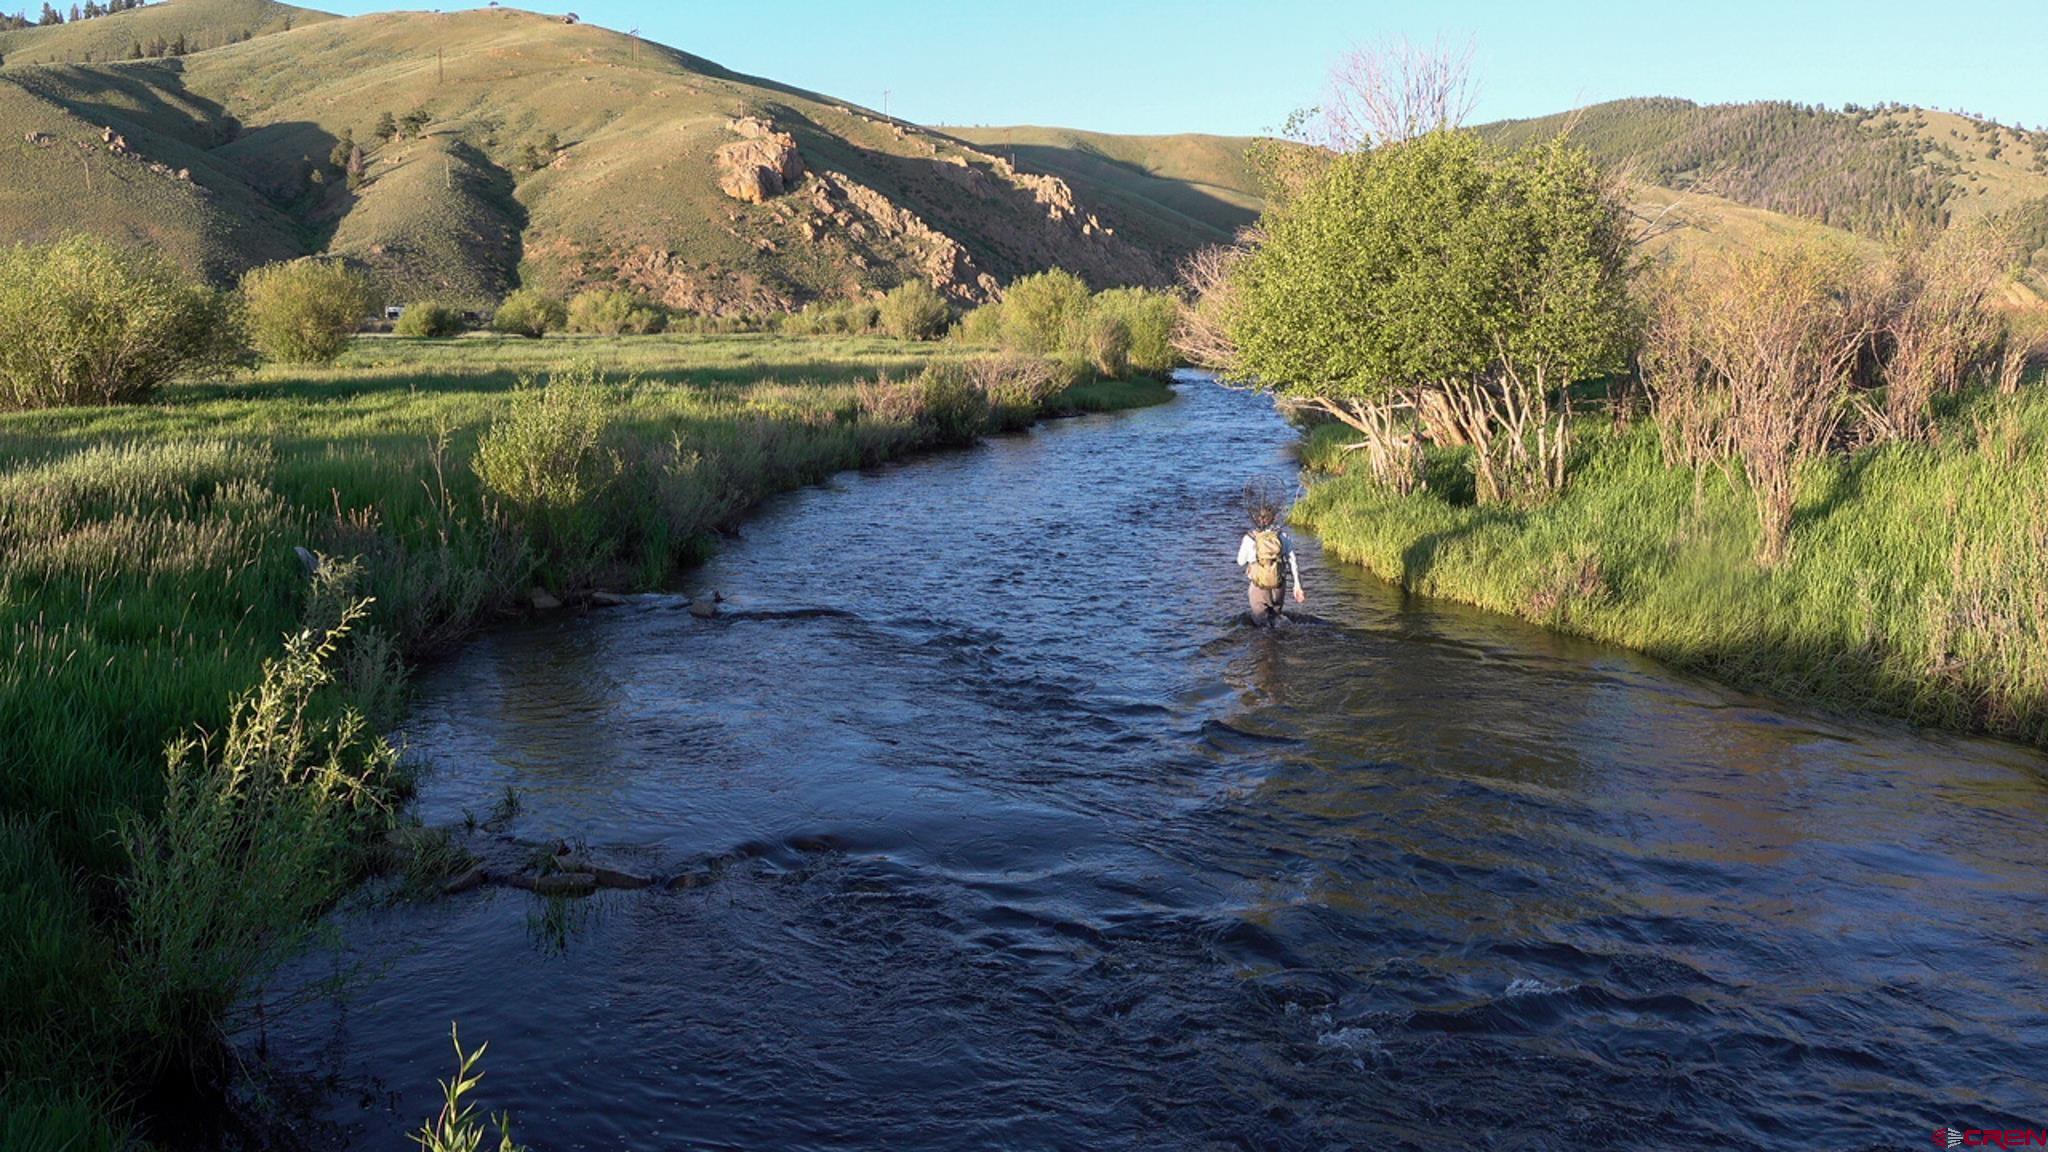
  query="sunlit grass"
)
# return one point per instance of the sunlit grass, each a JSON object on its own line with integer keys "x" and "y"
{"x": 1917, "y": 583}
{"x": 148, "y": 571}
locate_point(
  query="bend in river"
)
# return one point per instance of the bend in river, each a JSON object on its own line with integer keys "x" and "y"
{"x": 1028, "y": 842}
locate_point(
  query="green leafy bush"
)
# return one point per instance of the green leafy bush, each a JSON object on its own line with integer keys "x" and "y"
{"x": 954, "y": 407}
{"x": 303, "y": 312}
{"x": 834, "y": 318}
{"x": 1149, "y": 318}
{"x": 547, "y": 460}
{"x": 1107, "y": 345}
{"x": 981, "y": 326}
{"x": 914, "y": 310}
{"x": 614, "y": 312}
{"x": 430, "y": 320}
{"x": 1042, "y": 313}
{"x": 85, "y": 322}
{"x": 253, "y": 832}
{"x": 530, "y": 313}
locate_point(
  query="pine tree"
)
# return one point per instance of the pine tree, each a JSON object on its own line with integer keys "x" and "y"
{"x": 387, "y": 127}
{"x": 49, "y": 18}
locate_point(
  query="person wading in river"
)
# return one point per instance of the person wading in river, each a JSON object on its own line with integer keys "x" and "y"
{"x": 1267, "y": 557}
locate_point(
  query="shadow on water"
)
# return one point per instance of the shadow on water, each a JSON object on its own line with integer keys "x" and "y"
{"x": 1003, "y": 831}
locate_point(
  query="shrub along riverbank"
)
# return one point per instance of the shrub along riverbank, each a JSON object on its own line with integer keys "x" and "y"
{"x": 1916, "y": 581}
{"x": 148, "y": 574}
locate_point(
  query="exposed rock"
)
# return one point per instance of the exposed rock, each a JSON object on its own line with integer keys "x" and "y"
{"x": 39, "y": 139}
{"x": 464, "y": 881}
{"x": 759, "y": 166}
{"x": 565, "y": 884}
{"x": 703, "y": 609}
{"x": 608, "y": 600}
{"x": 543, "y": 601}
{"x": 944, "y": 261}
{"x": 606, "y": 877}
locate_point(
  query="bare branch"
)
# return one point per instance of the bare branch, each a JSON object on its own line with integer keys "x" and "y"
{"x": 1394, "y": 90}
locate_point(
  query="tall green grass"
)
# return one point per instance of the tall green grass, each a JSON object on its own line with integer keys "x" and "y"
{"x": 148, "y": 578}
{"x": 1917, "y": 583}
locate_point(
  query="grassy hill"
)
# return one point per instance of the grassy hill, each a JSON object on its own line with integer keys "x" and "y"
{"x": 1169, "y": 185}
{"x": 566, "y": 155}
{"x": 199, "y": 24}
{"x": 1870, "y": 171}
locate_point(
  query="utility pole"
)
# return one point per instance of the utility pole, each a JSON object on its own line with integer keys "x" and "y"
{"x": 885, "y": 103}
{"x": 440, "y": 68}
{"x": 635, "y": 34}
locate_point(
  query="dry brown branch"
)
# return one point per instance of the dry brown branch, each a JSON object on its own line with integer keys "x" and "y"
{"x": 1394, "y": 90}
{"x": 1202, "y": 334}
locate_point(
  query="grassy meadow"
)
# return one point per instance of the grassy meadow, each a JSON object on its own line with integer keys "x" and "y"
{"x": 148, "y": 573}
{"x": 1917, "y": 582}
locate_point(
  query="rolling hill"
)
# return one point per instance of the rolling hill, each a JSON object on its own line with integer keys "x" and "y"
{"x": 541, "y": 151}
{"x": 553, "y": 153}
{"x": 198, "y": 26}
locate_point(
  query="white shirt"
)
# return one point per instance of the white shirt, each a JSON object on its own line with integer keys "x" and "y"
{"x": 1248, "y": 553}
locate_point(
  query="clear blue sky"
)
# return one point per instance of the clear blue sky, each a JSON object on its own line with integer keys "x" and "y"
{"x": 1240, "y": 67}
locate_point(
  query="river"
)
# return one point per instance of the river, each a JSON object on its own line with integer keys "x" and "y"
{"x": 1031, "y": 843}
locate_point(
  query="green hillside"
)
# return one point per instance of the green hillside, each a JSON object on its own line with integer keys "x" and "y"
{"x": 564, "y": 155}
{"x": 198, "y": 24}
{"x": 1165, "y": 185}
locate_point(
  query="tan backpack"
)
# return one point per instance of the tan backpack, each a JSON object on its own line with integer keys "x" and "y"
{"x": 1267, "y": 551}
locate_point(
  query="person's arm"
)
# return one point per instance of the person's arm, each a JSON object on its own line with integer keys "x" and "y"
{"x": 1246, "y": 552}
{"x": 1294, "y": 569}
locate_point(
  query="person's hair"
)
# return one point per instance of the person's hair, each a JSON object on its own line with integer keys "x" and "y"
{"x": 1261, "y": 503}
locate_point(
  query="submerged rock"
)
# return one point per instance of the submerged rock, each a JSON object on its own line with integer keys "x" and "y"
{"x": 464, "y": 881}
{"x": 565, "y": 884}
{"x": 606, "y": 877}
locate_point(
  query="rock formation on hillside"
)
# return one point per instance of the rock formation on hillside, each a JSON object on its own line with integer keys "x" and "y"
{"x": 759, "y": 166}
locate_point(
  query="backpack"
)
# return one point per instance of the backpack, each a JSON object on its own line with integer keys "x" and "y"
{"x": 1268, "y": 549}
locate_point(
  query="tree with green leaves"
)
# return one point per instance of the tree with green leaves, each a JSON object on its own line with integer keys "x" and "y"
{"x": 1442, "y": 275}
{"x": 337, "y": 156}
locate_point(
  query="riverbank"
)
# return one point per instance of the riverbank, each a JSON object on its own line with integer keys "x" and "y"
{"x": 1917, "y": 583}
{"x": 148, "y": 572}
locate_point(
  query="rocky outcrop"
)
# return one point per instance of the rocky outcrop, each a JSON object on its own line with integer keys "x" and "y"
{"x": 761, "y": 165}
{"x": 943, "y": 260}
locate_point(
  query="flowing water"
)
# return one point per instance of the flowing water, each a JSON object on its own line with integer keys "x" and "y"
{"x": 1028, "y": 841}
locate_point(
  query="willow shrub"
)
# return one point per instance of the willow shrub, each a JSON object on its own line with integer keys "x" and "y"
{"x": 85, "y": 322}
{"x": 430, "y": 320}
{"x": 1148, "y": 318}
{"x": 530, "y": 313}
{"x": 914, "y": 310}
{"x": 546, "y": 460}
{"x": 304, "y": 312}
{"x": 614, "y": 312}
